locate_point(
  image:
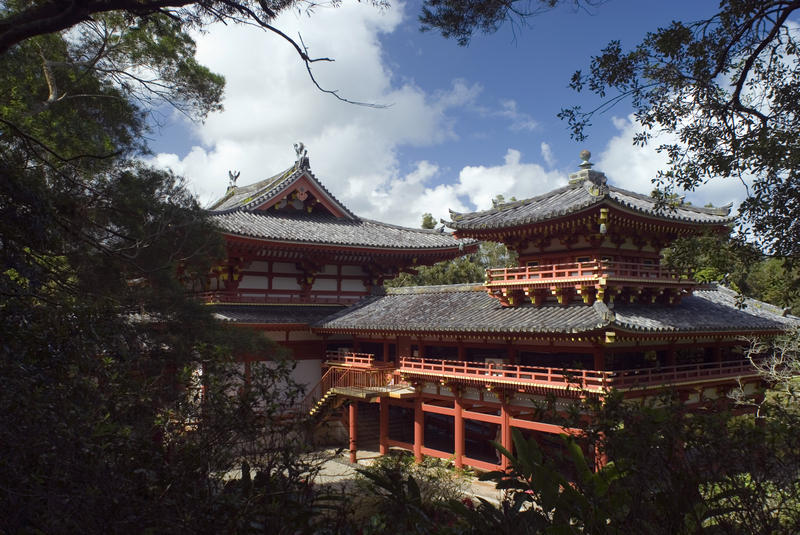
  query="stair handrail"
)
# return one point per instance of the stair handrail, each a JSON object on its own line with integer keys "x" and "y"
{"x": 337, "y": 377}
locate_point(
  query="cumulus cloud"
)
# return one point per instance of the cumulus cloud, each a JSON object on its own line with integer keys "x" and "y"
{"x": 547, "y": 154}
{"x": 519, "y": 120}
{"x": 514, "y": 178}
{"x": 270, "y": 103}
{"x": 633, "y": 168}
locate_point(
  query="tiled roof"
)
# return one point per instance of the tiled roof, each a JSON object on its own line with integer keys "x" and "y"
{"x": 272, "y": 313}
{"x": 254, "y": 195}
{"x": 324, "y": 228}
{"x": 236, "y": 213}
{"x": 711, "y": 309}
{"x": 579, "y": 196}
{"x": 468, "y": 308}
{"x": 458, "y": 308}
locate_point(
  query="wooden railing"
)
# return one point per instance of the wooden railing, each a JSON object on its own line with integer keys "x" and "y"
{"x": 685, "y": 373}
{"x": 341, "y": 358}
{"x": 356, "y": 360}
{"x": 239, "y": 298}
{"x": 584, "y": 270}
{"x": 337, "y": 377}
{"x": 549, "y": 271}
{"x": 587, "y": 379}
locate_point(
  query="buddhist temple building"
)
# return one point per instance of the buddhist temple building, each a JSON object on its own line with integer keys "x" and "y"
{"x": 442, "y": 370}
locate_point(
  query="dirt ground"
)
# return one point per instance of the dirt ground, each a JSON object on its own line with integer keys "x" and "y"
{"x": 340, "y": 472}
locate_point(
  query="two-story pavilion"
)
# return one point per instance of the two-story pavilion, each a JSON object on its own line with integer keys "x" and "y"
{"x": 296, "y": 254}
{"x": 442, "y": 370}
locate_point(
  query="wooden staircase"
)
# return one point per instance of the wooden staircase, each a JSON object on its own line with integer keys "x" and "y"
{"x": 340, "y": 383}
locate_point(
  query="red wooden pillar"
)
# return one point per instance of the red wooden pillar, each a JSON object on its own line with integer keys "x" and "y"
{"x": 512, "y": 354}
{"x": 353, "y": 413}
{"x": 384, "y": 426}
{"x": 419, "y": 429}
{"x": 461, "y": 351}
{"x": 599, "y": 359}
{"x": 458, "y": 414}
{"x": 247, "y": 372}
{"x": 505, "y": 433}
{"x": 672, "y": 355}
{"x": 717, "y": 352}
{"x": 403, "y": 348}
{"x": 600, "y": 457}
{"x": 385, "y": 351}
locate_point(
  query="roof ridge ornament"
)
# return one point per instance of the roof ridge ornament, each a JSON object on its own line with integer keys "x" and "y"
{"x": 587, "y": 174}
{"x": 232, "y": 177}
{"x": 302, "y": 156}
{"x": 584, "y": 156}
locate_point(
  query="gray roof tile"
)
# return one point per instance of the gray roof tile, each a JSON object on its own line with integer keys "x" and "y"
{"x": 236, "y": 213}
{"x": 324, "y": 228}
{"x": 710, "y": 309}
{"x": 458, "y": 308}
{"x": 576, "y": 197}
{"x": 468, "y": 308}
{"x": 254, "y": 195}
{"x": 272, "y": 313}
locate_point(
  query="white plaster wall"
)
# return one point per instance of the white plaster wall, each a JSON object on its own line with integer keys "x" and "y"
{"x": 253, "y": 282}
{"x": 296, "y": 336}
{"x": 352, "y": 270}
{"x": 308, "y": 372}
{"x": 284, "y": 267}
{"x": 330, "y": 269}
{"x": 258, "y": 265}
{"x": 324, "y": 285}
{"x": 352, "y": 286}
{"x": 284, "y": 283}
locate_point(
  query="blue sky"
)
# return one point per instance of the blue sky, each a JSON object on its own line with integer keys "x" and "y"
{"x": 464, "y": 123}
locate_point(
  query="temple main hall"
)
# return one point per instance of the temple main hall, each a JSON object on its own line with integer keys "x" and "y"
{"x": 443, "y": 370}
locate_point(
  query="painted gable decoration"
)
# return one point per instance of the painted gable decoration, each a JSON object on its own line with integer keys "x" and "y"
{"x": 294, "y": 190}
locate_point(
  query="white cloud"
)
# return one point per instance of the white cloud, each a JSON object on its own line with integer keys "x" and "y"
{"x": 547, "y": 154}
{"x": 633, "y": 168}
{"x": 480, "y": 184}
{"x": 270, "y": 103}
{"x": 519, "y": 120}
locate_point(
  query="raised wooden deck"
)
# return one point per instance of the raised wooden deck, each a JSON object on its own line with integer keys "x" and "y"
{"x": 592, "y": 271}
{"x": 483, "y": 374}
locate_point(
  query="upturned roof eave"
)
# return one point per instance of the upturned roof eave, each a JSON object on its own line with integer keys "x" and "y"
{"x": 584, "y": 207}
{"x": 448, "y": 248}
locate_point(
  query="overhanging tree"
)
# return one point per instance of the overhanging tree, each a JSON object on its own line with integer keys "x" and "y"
{"x": 101, "y": 428}
{"x": 725, "y": 91}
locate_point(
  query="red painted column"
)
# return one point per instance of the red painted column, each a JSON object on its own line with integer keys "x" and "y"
{"x": 419, "y": 429}
{"x": 384, "y": 425}
{"x": 505, "y": 433}
{"x": 671, "y": 356}
{"x": 600, "y": 457}
{"x": 513, "y": 354}
{"x": 353, "y": 413}
{"x": 459, "y": 430}
{"x": 599, "y": 359}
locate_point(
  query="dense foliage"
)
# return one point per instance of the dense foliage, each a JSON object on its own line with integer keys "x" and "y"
{"x": 464, "y": 269}
{"x": 102, "y": 355}
{"x": 720, "y": 96}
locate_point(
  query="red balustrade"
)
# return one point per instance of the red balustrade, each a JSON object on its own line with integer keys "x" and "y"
{"x": 338, "y": 377}
{"x": 594, "y": 269}
{"x": 342, "y": 358}
{"x": 239, "y": 298}
{"x": 588, "y": 379}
